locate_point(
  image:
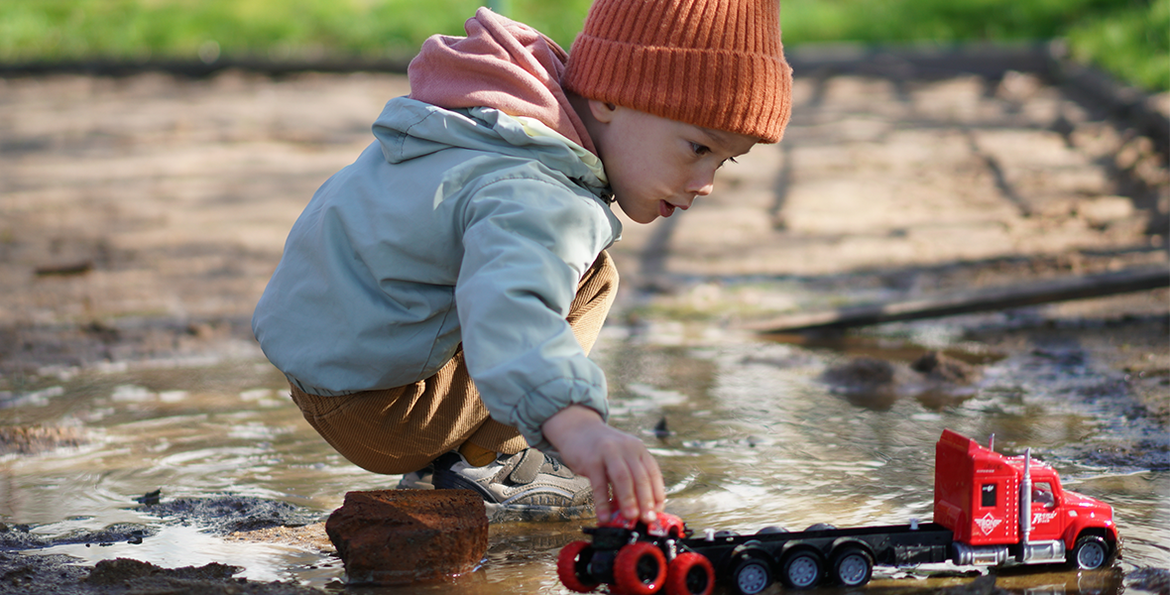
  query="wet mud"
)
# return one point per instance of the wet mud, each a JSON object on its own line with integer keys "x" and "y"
{"x": 61, "y": 575}
{"x": 239, "y": 517}
{"x": 225, "y": 515}
{"x": 143, "y": 214}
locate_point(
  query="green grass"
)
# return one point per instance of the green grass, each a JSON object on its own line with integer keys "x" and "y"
{"x": 1130, "y": 38}
{"x": 1133, "y": 44}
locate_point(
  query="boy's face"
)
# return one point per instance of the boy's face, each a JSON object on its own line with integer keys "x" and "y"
{"x": 656, "y": 165}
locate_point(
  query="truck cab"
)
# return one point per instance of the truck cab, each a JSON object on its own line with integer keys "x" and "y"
{"x": 1013, "y": 509}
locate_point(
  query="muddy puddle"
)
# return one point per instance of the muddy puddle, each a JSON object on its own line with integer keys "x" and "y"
{"x": 749, "y": 432}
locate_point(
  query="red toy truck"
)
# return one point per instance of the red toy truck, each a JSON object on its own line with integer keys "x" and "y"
{"x": 989, "y": 510}
{"x": 636, "y": 557}
{"x": 1012, "y": 509}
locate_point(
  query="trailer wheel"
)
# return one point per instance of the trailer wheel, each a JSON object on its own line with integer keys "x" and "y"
{"x": 771, "y": 529}
{"x": 750, "y": 576}
{"x": 852, "y": 567}
{"x": 801, "y": 569}
{"x": 820, "y": 527}
{"x": 690, "y": 574}
{"x": 639, "y": 568}
{"x": 572, "y": 559}
{"x": 1089, "y": 553}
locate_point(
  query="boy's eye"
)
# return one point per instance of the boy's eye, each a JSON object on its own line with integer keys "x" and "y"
{"x": 703, "y": 150}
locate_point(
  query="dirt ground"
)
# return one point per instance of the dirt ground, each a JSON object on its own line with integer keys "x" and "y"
{"x": 141, "y": 216}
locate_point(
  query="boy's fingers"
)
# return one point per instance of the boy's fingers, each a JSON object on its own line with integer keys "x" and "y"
{"x": 651, "y": 491}
{"x": 659, "y": 485}
{"x": 644, "y": 492}
{"x": 601, "y": 497}
{"x": 622, "y": 480}
{"x": 657, "y": 500}
{"x": 638, "y": 489}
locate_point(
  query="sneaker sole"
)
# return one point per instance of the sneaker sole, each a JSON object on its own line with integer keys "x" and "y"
{"x": 524, "y": 513}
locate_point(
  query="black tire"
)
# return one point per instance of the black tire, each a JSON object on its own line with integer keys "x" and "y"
{"x": 751, "y": 576}
{"x": 771, "y": 529}
{"x": 802, "y": 569}
{"x": 572, "y": 564}
{"x": 690, "y": 574}
{"x": 852, "y": 567}
{"x": 639, "y": 569}
{"x": 1090, "y": 552}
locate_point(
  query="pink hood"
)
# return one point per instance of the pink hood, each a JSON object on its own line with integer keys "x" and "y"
{"x": 501, "y": 64}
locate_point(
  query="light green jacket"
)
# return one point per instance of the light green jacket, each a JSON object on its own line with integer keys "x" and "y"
{"x": 456, "y": 226}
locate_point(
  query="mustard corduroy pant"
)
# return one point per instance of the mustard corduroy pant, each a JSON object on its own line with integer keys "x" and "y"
{"x": 402, "y": 429}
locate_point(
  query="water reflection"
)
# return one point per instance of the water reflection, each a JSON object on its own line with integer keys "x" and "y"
{"x": 177, "y": 546}
{"x": 748, "y": 434}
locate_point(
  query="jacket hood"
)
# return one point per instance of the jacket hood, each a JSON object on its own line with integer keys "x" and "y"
{"x": 408, "y": 129}
{"x": 501, "y": 64}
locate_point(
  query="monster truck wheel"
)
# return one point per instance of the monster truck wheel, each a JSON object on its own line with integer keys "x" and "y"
{"x": 1089, "y": 553}
{"x": 801, "y": 569}
{"x": 690, "y": 574}
{"x": 639, "y": 569}
{"x": 852, "y": 567}
{"x": 573, "y": 558}
{"x": 750, "y": 576}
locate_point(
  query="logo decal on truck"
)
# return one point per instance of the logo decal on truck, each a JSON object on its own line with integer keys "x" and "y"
{"x": 1039, "y": 518}
{"x": 988, "y": 523}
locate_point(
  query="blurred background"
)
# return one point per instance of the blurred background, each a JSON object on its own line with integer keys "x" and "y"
{"x": 155, "y": 153}
{"x": 1130, "y": 39}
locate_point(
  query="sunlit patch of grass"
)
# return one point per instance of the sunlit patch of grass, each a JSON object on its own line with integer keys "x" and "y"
{"x": 74, "y": 29}
{"x": 1134, "y": 44}
{"x": 1130, "y": 38}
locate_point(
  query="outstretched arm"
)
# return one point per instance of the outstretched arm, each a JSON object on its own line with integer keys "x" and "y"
{"x": 608, "y": 457}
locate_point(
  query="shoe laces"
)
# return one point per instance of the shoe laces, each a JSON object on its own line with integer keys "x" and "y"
{"x": 556, "y": 465}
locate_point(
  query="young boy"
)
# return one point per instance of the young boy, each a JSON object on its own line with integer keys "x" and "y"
{"x": 437, "y": 299}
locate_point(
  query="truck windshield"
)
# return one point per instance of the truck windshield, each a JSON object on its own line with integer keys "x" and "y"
{"x": 1042, "y": 495}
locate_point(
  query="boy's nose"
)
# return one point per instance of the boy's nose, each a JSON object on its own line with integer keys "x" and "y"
{"x": 703, "y": 185}
{"x": 704, "y": 189}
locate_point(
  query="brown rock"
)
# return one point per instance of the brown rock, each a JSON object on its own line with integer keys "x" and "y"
{"x": 400, "y": 536}
{"x": 865, "y": 382}
{"x": 861, "y": 372}
{"x": 939, "y": 367}
{"x": 124, "y": 570}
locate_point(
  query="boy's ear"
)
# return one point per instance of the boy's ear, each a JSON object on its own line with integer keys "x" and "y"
{"x": 602, "y": 111}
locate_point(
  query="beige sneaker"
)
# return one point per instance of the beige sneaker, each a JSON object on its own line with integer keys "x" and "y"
{"x": 526, "y": 486}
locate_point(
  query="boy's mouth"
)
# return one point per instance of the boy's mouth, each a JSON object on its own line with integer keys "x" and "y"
{"x": 666, "y": 209}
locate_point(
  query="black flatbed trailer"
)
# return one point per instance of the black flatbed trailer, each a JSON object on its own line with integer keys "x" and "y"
{"x": 804, "y": 558}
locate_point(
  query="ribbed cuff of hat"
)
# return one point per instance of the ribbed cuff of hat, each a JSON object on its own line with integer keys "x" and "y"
{"x": 712, "y": 63}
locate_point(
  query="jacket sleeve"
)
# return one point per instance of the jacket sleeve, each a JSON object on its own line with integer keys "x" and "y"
{"x": 528, "y": 239}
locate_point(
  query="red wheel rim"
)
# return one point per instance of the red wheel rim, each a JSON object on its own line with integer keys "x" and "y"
{"x": 690, "y": 574}
{"x": 567, "y": 567}
{"x": 639, "y": 569}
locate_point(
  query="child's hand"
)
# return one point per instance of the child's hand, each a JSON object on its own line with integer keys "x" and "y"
{"x": 608, "y": 457}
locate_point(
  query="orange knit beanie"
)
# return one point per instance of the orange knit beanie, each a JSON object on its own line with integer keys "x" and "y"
{"x": 713, "y": 63}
